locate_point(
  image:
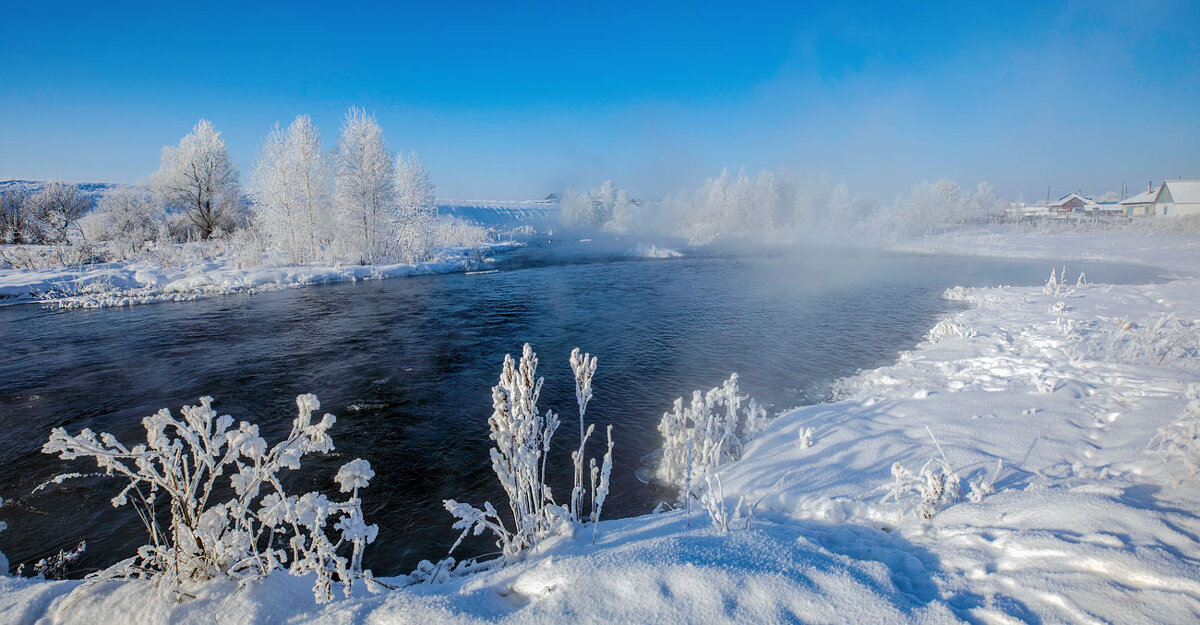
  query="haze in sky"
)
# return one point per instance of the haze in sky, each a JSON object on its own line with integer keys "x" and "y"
{"x": 515, "y": 102}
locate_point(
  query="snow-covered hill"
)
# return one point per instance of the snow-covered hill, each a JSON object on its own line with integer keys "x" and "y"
{"x": 503, "y": 214}
{"x": 91, "y": 190}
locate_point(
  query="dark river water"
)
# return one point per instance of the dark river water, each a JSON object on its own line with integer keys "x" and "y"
{"x": 407, "y": 365}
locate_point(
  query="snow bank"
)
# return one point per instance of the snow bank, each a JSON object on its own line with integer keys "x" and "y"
{"x": 1086, "y": 522}
{"x": 1176, "y": 253}
{"x": 143, "y": 282}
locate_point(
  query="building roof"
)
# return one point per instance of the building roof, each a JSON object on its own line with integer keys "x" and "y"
{"x": 1184, "y": 191}
{"x": 1067, "y": 198}
{"x": 1141, "y": 198}
{"x": 1087, "y": 201}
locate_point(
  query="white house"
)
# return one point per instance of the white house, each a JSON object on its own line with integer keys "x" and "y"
{"x": 1178, "y": 198}
{"x": 1172, "y": 198}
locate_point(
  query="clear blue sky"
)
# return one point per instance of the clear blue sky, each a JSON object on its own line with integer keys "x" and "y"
{"x": 510, "y": 102}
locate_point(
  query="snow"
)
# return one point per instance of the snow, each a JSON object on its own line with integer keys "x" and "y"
{"x": 143, "y": 282}
{"x": 653, "y": 251}
{"x": 1085, "y": 521}
{"x": 1146, "y": 197}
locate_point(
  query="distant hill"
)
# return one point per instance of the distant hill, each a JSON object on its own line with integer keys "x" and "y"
{"x": 490, "y": 213}
{"x": 501, "y": 213}
{"x": 91, "y": 190}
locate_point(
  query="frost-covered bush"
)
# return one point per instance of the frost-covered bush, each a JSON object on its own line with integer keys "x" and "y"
{"x": 709, "y": 432}
{"x": 1181, "y": 439}
{"x": 16, "y": 215}
{"x": 55, "y": 567}
{"x": 190, "y": 463}
{"x": 713, "y": 500}
{"x": 936, "y": 484}
{"x": 805, "y": 439}
{"x": 129, "y": 218}
{"x": 947, "y": 329}
{"x": 452, "y": 232}
{"x": 984, "y": 484}
{"x": 522, "y": 435}
{"x": 55, "y": 212}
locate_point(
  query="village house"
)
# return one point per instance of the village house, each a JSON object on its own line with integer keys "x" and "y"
{"x": 1178, "y": 198}
{"x": 1172, "y": 198}
{"x": 1141, "y": 204}
{"x": 1072, "y": 203}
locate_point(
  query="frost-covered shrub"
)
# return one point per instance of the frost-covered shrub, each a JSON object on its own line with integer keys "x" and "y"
{"x": 713, "y": 500}
{"x": 189, "y": 461}
{"x": 948, "y": 329}
{"x": 983, "y": 484}
{"x": 936, "y": 484}
{"x": 1181, "y": 439}
{"x": 709, "y": 432}
{"x": 55, "y": 567}
{"x": 522, "y": 435}
{"x": 55, "y": 212}
{"x": 1157, "y": 340}
{"x": 805, "y": 439}
{"x": 452, "y": 232}
{"x": 16, "y": 215}
{"x": 128, "y": 217}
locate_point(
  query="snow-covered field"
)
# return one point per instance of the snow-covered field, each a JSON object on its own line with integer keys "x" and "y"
{"x": 1044, "y": 403}
{"x": 143, "y": 281}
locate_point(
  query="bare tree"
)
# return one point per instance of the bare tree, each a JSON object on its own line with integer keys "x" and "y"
{"x": 198, "y": 178}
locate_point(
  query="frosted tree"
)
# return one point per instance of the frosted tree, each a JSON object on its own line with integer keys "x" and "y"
{"x": 365, "y": 186}
{"x": 198, "y": 179}
{"x": 606, "y": 199}
{"x": 984, "y": 203}
{"x": 292, "y": 187}
{"x": 415, "y": 205}
{"x": 275, "y": 212}
{"x": 578, "y": 209}
{"x": 927, "y": 207}
{"x": 414, "y": 191}
{"x": 56, "y": 210}
{"x": 608, "y": 207}
{"x": 314, "y": 172}
{"x": 623, "y": 214}
{"x": 129, "y": 218}
{"x": 15, "y": 220}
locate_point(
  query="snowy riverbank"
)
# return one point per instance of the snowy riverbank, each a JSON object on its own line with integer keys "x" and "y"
{"x": 145, "y": 282}
{"x": 1083, "y": 521}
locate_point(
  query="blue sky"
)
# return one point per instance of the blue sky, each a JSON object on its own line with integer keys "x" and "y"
{"x": 512, "y": 102}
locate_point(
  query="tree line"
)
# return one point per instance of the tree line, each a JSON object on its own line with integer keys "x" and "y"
{"x": 356, "y": 203}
